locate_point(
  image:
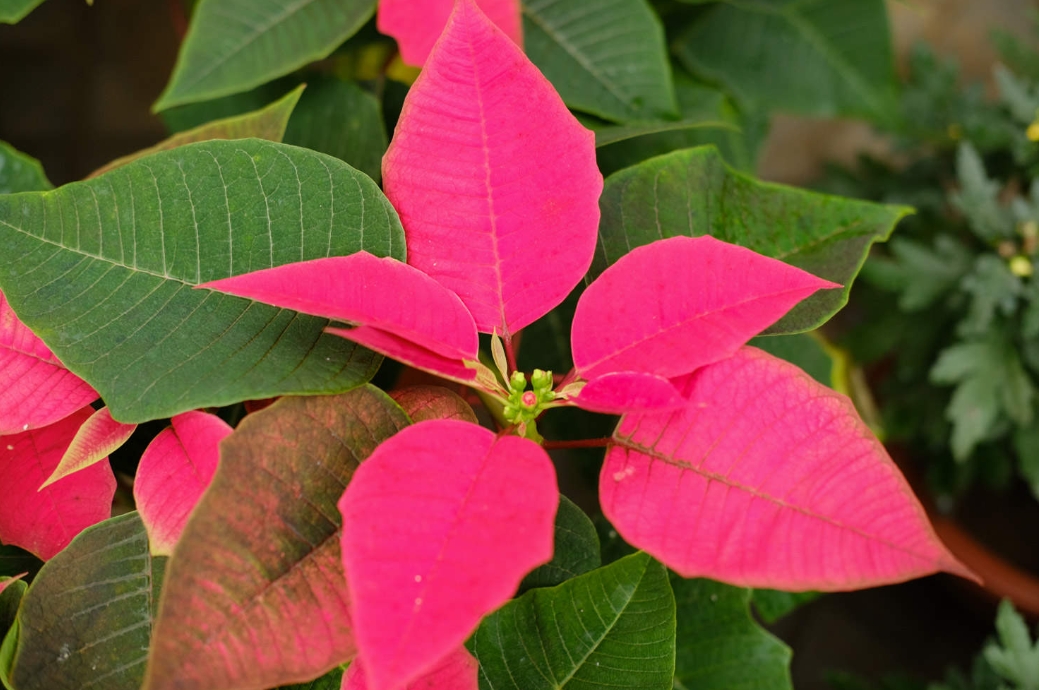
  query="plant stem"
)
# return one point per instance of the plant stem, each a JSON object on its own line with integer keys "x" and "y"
{"x": 582, "y": 443}
{"x": 510, "y": 353}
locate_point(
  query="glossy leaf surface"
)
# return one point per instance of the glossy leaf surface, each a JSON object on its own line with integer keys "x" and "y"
{"x": 266, "y": 123}
{"x": 719, "y": 644}
{"x": 87, "y": 619}
{"x": 35, "y": 388}
{"x": 830, "y": 57}
{"x": 766, "y": 479}
{"x": 456, "y": 671}
{"x": 262, "y": 550}
{"x": 176, "y": 467}
{"x": 341, "y": 119}
{"x": 234, "y": 45}
{"x": 417, "y": 24}
{"x": 680, "y": 303}
{"x": 44, "y": 521}
{"x": 612, "y": 627}
{"x": 628, "y": 391}
{"x": 105, "y": 268}
{"x": 94, "y": 441}
{"x": 575, "y": 549}
{"x": 424, "y": 565}
{"x": 692, "y": 192}
{"x": 423, "y": 403}
{"x": 485, "y": 164}
{"x": 18, "y": 171}
{"x": 624, "y": 77}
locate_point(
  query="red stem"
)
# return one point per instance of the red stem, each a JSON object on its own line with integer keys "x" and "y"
{"x": 583, "y": 443}
{"x": 510, "y": 354}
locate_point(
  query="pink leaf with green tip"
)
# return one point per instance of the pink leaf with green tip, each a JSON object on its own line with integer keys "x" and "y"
{"x": 680, "y": 303}
{"x": 440, "y": 525}
{"x": 457, "y": 671}
{"x": 401, "y": 312}
{"x": 175, "y": 469}
{"x": 495, "y": 181}
{"x": 35, "y": 388}
{"x": 99, "y": 436}
{"x": 5, "y": 583}
{"x": 629, "y": 391}
{"x": 766, "y": 479}
{"x": 417, "y": 24}
{"x": 44, "y": 521}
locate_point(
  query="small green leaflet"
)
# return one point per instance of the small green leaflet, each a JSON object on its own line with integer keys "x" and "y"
{"x": 994, "y": 289}
{"x": 103, "y": 272}
{"x": 624, "y": 79}
{"x": 14, "y": 11}
{"x": 612, "y": 627}
{"x": 19, "y": 172}
{"x": 1014, "y": 656}
{"x": 978, "y": 197}
{"x": 234, "y": 45}
{"x": 921, "y": 274}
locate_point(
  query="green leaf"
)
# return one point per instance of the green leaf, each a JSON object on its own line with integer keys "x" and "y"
{"x": 330, "y": 681}
{"x": 693, "y": 192}
{"x": 87, "y": 619}
{"x": 720, "y": 646}
{"x": 19, "y": 172}
{"x": 576, "y": 549}
{"x": 604, "y": 136}
{"x": 605, "y": 57}
{"x": 993, "y": 288}
{"x": 613, "y": 627}
{"x": 234, "y": 45}
{"x": 924, "y": 275}
{"x": 340, "y": 119}
{"x": 814, "y": 57}
{"x": 14, "y": 11}
{"x": 1014, "y": 657}
{"x": 267, "y": 123}
{"x": 1026, "y": 448}
{"x": 103, "y": 271}
{"x": 260, "y": 556}
{"x": 10, "y": 598}
{"x": 806, "y": 350}
{"x": 184, "y": 117}
{"x": 772, "y": 604}
{"x": 978, "y": 197}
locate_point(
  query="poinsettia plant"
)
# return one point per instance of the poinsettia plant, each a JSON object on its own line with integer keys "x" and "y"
{"x": 407, "y": 537}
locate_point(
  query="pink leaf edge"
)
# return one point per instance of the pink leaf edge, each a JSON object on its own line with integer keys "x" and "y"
{"x": 440, "y": 525}
{"x": 417, "y": 24}
{"x": 11, "y": 580}
{"x": 44, "y": 521}
{"x": 175, "y": 469}
{"x": 680, "y": 303}
{"x": 629, "y": 391}
{"x": 94, "y": 441}
{"x": 457, "y": 671}
{"x": 35, "y": 388}
{"x": 767, "y": 479}
{"x": 495, "y": 181}
{"x": 401, "y": 312}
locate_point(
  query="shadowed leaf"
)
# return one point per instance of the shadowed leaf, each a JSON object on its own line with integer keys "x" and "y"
{"x": 175, "y": 469}
{"x": 575, "y": 549}
{"x": 479, "y": 182}
{"x": 234, "y": 45}
{"x": 623, "y": 78}
{"x": 19, "y": 172}
{"x": 267, "y": 123}
{"x": 766, "y": 479}
{"x": 612, "y": 627}
{"x": 13, "y": 11}
{"x": 422, "y": 403}
{"x": 425, "y": 565}
{"x": 692, "y": 192}
{"x": 105, "y": 268}
{"x": 44, "y": 521}
{"x": 674, "y": 305}
{"x": 261, "y": 550}
{"x": 720, "y": 646}
{"x": 12, "y": 589}
{"x": 35, "y": 388}
{"x": 86, "y": 620}
{"x": 417, "y": 24}
{"x": 94, "y": 441}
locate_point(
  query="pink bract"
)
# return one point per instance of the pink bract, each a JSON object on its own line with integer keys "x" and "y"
{"x": 766, "y": 479}
{"x": 457, "y": 671}
{"x": 440, "y": 525}
{"x": 495, "y": 181}
{"x": 35, "y": 388}
{"x": 175, "y": 469}
{"x": 629, "y": 391}
{"x": 99, "y": 436}
{"x": 43, "y": 522}
{"x": 672, "y": 306}
{"x": 417, "y": 24}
